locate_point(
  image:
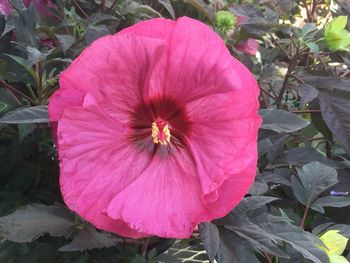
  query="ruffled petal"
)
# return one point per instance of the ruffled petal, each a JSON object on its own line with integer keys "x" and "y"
{"x": 231, "y": 192}
{"x": 96, "y": 162}
{"x": 154, "y": 28}
{"x": 223, "y": 137}
{"x": 115, "y": 70}
{"x": 196, "y": 63}
{"x": 164, "y": 201}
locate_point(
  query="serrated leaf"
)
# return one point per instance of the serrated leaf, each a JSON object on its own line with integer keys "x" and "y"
{"x": 253, "y": 202}
{"x": 269, "y": 231}
{"x": 330, "y": 201}
{"x": 36, "y": 114}
{"x": 90, "y": 238}
{"x": 282, "y": 121}
{"x": 314, "y": 179}
{"x": 209, "y": 234}
{"x": 32, "y": 221}
{"x": 233, "y": 248}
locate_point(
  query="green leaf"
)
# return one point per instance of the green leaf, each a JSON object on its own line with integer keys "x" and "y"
{"x": 36, "y": 114}
{"x": 66, "y": 41}
{"x": 95, "y": 32}
{"x": 282, "y": 121}
{"x": 308, "y": 31}
{"x": 26, "y": 65}
{"x": 34, "y": 55}
{"x": 32, "y": 221}
{"x": 337, "y": 24}
{"x": 265, "y": 232}
{"x": 335, "y": 112}
{"x": 97, "y": 18}
{"x": 169, "y": 7}
{"x": 251, "y": 203}
{"x": 314, "y": 179}
{"x": 336, "y": 36}
{"x": 25, "y": 129}
{"x": 330, "y": 201}
{"x": 209, "y": 234}
{"x": 233, "y": 249}
{"x": 89, "y": 238}
{"x": 25, "y": 24}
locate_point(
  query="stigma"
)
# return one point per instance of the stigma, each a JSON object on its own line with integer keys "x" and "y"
{"x": 160, "y": 132}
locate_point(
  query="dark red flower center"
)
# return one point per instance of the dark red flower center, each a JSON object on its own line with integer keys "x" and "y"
{"x": 159, "y": 125}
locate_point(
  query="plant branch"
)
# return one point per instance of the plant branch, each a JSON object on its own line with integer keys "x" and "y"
{"x": 293, "y": 63}
{"x": 144, "y": 246}
{"x": 13, "y": 90}
{"x": 304, "y": 216}
{"x": 268, "y": 257}
{"x": 80, "y": 9}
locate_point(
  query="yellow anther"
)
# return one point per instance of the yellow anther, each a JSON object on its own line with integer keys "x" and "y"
{"x": 160, "y": 132}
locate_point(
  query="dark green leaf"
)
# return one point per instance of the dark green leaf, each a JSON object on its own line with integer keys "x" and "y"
{"x": 335, "y": 111}
{"x": 307, "y": 93}
{"x": 34, "y": 55}
{"x": 330, "y": 201}
{"x": 95, "y": 32}
{"x": 25, "y": 24}
{"x": 31, "y": 222}
{"x": 209, "y": 234}
{"x": 282, "y": 121}
{"x": 66, "y": 41}
{"x": 314, "y": 179}
{"x": 89, "y": 238}
{"x": 253, "y": 202}
{"x": 36, "y": 114}
{"x": 233, "y": 249}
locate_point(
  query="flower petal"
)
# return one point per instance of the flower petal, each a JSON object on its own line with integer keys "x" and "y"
{"x": 196, "y": 61}
{"x": 193, "y": 68}
{"x": 163, "y": 201}
{"x": 115, "y": 70}
{"x": 154, "y": 28}
{"x": 96, "y": 161}
{"x": 224, "y": 134}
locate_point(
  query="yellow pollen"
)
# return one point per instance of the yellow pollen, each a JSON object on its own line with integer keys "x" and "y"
{"x": 160, "y": 133}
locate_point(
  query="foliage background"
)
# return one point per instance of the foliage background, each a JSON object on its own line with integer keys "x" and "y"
{"x": 304, "y": 141}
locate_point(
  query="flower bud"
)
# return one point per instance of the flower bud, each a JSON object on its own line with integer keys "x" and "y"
{"x": 225, "y": 21}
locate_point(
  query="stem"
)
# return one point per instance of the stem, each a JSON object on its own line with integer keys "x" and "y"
{"x": 304, "y": 216}
{"x": 305, "y": 111}
{"x": 268, "y": 257}
{"x": 144, "y": 247}
{"x": 280, "y": 46}
{"x": 293, "y": 63}
{"x": 13, "y": 90}
{"x": 80, "y": 9}
{"x": 113, "y": 4}
{"x": 103, "y": 5}
{"x": 268, "y": 94}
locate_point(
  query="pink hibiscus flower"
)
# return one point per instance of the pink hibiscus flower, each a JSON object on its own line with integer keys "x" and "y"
{"x": 157, "y": 129}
